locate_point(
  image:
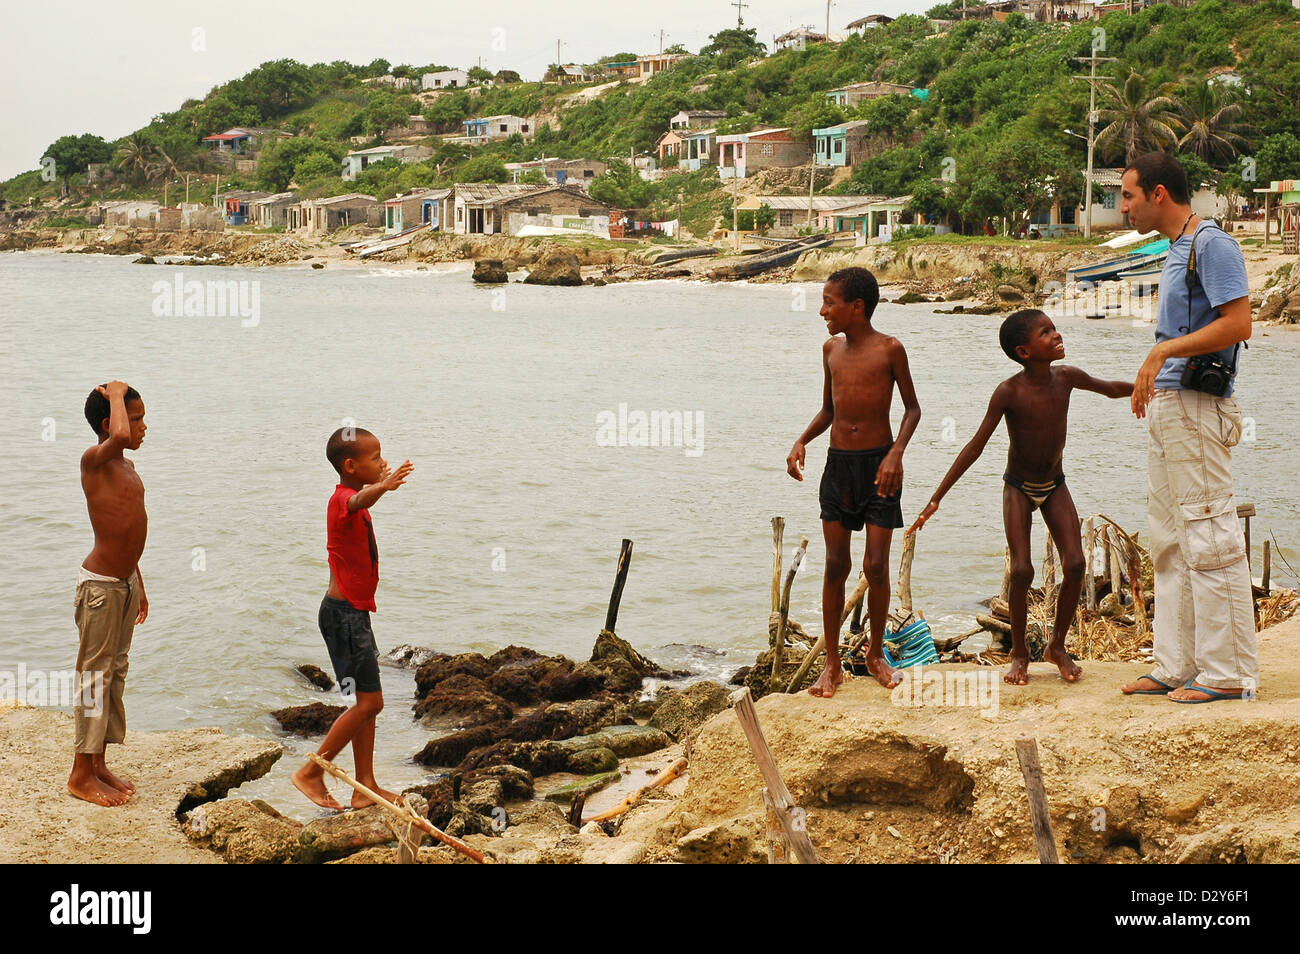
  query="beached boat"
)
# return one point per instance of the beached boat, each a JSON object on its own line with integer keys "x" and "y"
{"x": 765, "y": 261}
{"x": 1145, "y": 257}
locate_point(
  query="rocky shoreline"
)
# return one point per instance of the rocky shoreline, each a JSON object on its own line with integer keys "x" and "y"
{"x": 984, "y": 278}
{"x": 880, "y": 776}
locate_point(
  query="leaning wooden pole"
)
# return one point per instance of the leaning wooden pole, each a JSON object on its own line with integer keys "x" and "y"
{"x": 1027, "y": 754}
{"x": 1089, "y": 581}
{"x": 778, "y": 650}
{"x": 620, "y": 577}
{"x": 778, "y": 533}
{"x": 796, "y": 832}
{"x": 405, "y": 814}
{"x": 859, "y": 594}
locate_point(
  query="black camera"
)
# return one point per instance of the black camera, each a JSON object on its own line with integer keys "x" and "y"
{"x": 1207, "y": 374}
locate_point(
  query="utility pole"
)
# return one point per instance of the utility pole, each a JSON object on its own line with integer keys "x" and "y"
{"x": 828, "y": 19}
{"x": 738, "y": 4}
{"x": 1092, "y": 61}
{"x": 661, "y": 42}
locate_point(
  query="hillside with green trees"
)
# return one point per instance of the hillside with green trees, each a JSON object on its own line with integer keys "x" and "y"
{"x": 990, "y": 139}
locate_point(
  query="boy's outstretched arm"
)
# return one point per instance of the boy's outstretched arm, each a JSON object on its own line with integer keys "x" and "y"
{"x": 969, "y": 454}
{"x": 388, "y": 480}
{"x": 1084, "y": 381}
{"x": 889, "y": 476}
{"x": 794, "y": 462}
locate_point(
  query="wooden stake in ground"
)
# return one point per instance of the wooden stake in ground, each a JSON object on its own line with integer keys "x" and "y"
{"x": 1027, "y": 753}
{"x": 859, "y": 594}
{"x": 405, "y": 814}
{"x": 1089, "y": 581}
{"x": 1268, "y": 567}
{"x": 667, "y": 775}
{"x": 1116, "y": 561}
{"x": 1005, "y": 594}
{"x": 777, "y": 851}
{"x": 620, "y": 577}
{"x": 778, "y": 650}
{"x": 791, "y": 819}
{"x": 778, "y": 533}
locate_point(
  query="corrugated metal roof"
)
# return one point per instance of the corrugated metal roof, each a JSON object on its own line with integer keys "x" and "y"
{"x": 335, "y": 199}
{"x": 820, "y": 203}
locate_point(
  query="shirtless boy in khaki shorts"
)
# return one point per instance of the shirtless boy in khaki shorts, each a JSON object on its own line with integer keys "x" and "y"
{"x": 110, "y": 595}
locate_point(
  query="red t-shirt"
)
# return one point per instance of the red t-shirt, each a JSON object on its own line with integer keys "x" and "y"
{"x": 350, "y": 542}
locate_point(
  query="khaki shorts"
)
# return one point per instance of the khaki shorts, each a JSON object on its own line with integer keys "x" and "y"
{"x": 105, "y": 611}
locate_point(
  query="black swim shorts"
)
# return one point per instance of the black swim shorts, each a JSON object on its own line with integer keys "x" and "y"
{"x": 848, "y": 490}
{"x": 351, "y": 645}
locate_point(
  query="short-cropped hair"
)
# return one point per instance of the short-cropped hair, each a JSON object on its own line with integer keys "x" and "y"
{"x": 342, "y": 445}
{"x": 1015, "y": 331}
{"x": 1160, "y": 168}
{"x": 97, "y": 407}
{"x": 855, "y": 283}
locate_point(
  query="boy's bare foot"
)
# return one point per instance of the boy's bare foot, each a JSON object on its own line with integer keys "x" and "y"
{"x": 113, "y": 781}
{"x": 1018, "y": 674}
{"x": 885, "y": 674}
{"x": 313, "y": 786}
{"x": 1070, "y": 671}
{"x": 361, "y": 801}
{"x": 89, "y": 788}
{"x": 830, "y": 681}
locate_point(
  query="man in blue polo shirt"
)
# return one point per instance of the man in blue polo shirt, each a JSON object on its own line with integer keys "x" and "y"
{"x": 1204, "y": 627}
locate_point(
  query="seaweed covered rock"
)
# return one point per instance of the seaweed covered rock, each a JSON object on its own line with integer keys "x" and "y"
{"x": 451, "y": 749}
{"x": 516, "y": 783}
{"x": 316, "y": 676}
{"x": 490, "y": 271}
{"x": 313, "y": 719}
{"x": 443, "y": 666}
{"x": 463, "y": 694}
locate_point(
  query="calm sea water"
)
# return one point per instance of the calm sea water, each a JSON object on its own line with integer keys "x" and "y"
{"x": 509, "y": 529}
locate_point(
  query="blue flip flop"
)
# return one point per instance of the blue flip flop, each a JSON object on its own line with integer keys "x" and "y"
{"x": 1214, "y": 694}
{"x": 1151, "y": 692}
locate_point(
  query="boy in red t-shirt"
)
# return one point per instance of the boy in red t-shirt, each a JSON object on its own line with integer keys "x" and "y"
{"x": 364, "y": 477}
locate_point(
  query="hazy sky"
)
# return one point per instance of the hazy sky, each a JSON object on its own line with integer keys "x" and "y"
{"x": 108, "y": 67}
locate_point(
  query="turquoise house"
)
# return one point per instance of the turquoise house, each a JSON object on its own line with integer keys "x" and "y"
{"x": 840, "y": 145}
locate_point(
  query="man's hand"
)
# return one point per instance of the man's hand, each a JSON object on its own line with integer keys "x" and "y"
{"x": 392, "y": 479}
{"x": 930, "y": 510}
{"x": 1144, "y": 385}
{"x": 794, "y": 463}
{"x": 141, "y": 616}
{"x": 889, "y": 475}
{"x": 118, "y": 387}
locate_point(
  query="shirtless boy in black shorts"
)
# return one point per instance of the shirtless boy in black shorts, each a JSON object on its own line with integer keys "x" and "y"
{"x": 1036, "y": 403}
{"x": 863, "y": 479}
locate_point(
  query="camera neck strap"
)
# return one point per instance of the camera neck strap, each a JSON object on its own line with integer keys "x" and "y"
{"x": 1193, "y": 276}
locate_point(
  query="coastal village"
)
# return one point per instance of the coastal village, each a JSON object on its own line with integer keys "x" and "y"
{"x": 776, "y": 196}
{"x": 536, "y": 758}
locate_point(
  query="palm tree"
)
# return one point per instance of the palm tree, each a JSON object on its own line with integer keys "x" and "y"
{"x": 135, "y": 156}
{"x": 1210, "y": 117}
{"x": 1137, "y": 118}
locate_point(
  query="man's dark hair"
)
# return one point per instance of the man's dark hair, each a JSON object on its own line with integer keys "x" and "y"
{"x": 1160, "y": 168}
{"x": 342, "y": 445}
{"x": 1015, "y": 331}
{"x": 855, "y": 283}
{"x": 97, "y": 407}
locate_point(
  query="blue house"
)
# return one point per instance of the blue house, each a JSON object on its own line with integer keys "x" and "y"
{"x": 840, "y": 145}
